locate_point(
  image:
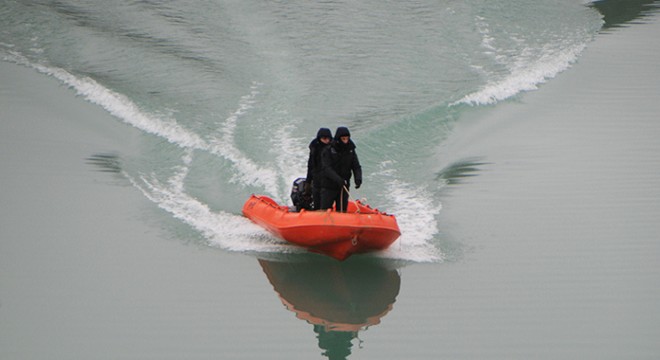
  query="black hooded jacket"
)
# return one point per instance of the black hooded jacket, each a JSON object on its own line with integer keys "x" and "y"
{"x": 339, "y": 162}
{"x": 314, "y": 169}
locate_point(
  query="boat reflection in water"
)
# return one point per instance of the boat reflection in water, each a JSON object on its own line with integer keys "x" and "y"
{"x": 337, "y": 298}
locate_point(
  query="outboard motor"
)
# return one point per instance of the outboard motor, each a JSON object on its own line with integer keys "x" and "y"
{"x": 300, "y": 200}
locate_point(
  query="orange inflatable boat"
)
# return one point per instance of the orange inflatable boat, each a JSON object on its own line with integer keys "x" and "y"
{"x": 339, "y": 235}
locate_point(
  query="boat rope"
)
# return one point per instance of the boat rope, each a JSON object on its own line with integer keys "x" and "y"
{"x": 349, "y": 199}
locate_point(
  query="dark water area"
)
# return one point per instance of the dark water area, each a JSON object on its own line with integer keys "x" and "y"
{"x": 617, "y": 13}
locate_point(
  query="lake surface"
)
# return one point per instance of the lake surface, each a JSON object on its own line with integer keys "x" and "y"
{"x": 516, "y": 142}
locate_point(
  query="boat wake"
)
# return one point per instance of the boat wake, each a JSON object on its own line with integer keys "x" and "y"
{"x": 236, "y": 233}
{"x": 522, "y": 70}
{"x": 227, "y": 230}
{"x": 416, "y": 214}
{"x": 221, "y": 229}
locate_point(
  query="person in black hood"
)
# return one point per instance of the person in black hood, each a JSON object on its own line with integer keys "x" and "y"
{"x": 339, "y": 163}
{"x": 314, "y": 170}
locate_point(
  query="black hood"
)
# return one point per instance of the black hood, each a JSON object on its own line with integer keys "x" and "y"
{"x": 339, "y": 145}
{"x": 342, "y": 131}
{"x": 323, "y": 132}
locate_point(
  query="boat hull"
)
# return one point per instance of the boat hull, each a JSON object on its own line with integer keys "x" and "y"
{"x": 361, "y": 229}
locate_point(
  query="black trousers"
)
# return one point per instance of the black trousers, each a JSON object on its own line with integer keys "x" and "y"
{"x": 338, "y": 197}
{"x": 316, "y": 197}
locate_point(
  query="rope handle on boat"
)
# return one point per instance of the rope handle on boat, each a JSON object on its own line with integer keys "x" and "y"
{"x": 350, "y": 198}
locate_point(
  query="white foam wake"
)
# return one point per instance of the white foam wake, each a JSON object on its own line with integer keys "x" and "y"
{"x": 416, "y": 215}
{"x": 247, "y": 171}
{"x": 223, "y": 144}
{"x": 526, "y": 70}
{"x": 523, "y": 78}
{"x": 225, "y": 230}
{"x": 291, "y": 156}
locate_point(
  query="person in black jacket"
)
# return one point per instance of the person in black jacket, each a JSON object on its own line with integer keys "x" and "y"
{"x": 339, "y": 162}
{"x": 314, "y": 170}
